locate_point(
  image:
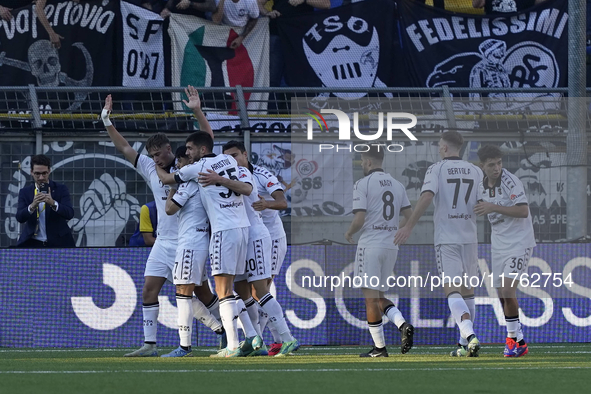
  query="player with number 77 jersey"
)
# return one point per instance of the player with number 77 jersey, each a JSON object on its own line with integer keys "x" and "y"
{"x": 452, "y": 185}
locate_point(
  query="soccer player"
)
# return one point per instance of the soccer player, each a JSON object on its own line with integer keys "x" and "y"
{"x": 191, "y": 254}
{"x": 378, "y": 200}
{"x": 229, "y": 224}
{"x": 452, "y": 184}
{"x": 161, "y": 260}
{"x": 502, "y": 198}
{"x": 260, "y": 257}
{"x": 271, "y": 200}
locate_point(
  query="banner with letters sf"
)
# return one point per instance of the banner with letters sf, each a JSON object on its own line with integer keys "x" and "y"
{"x": 514, "y": 50}
{"x": 347, "y": 47}
{"x": 201, "y": 56}
{"x": 143, "y": 55}
{"x": 87, "y": 55}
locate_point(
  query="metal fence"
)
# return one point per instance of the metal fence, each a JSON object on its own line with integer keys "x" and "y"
{"x": 107, "y": 192}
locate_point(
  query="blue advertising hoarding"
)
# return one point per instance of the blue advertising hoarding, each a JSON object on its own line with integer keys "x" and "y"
{"x": 92, "y": 298}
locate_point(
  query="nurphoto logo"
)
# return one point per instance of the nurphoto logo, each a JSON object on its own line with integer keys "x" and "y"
{"x": 393, "y": 122}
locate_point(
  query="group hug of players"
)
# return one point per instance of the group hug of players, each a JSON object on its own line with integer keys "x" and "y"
{"x": 216, "y": 206}
{"x": 225, "y": 208}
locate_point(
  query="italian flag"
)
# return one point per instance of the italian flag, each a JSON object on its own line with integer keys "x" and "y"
{"x": 201, "y": 56}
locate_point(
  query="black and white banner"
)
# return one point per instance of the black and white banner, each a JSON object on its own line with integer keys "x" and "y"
{"x": 143, "y": 55}
{"x": 514, "y": 50}
{"x": 87, "y": 54}
{"x": 347, "y": 47}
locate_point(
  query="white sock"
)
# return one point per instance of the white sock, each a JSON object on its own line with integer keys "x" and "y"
{"x": 376, "y": 330}
{"x": 513, "y": 326}
{"x": 214, "y": 307}
{"x": 472, "y": 308}
{"x": 273, "y": 309}
{"x": 394, "y": 315}
{"x": 274, "y": 333}
{"x": 458, "y": 308}
{"x": 253, "y": 311}
{"x": 247, "y": 326}
{"x": 185, "y": 318}
{"x": 202, "y": 314}
{"x": 150, "y": 312}
{"x": 263, "y": 317}
{"x": 229, "y": 316}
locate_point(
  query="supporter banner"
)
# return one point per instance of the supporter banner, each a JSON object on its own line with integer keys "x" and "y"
{"x": 143, "y": 54}
{"x": 347, "y": 47}
{"x": 201, "y": 56}
{"x": 517, "y": 50}
{"x": 321, "y": 184}
{"x": 258, "y": 124}
{"x": 106, "y": 191}
{"x": 96, "y": 301}
{"x": 87, "y": 57}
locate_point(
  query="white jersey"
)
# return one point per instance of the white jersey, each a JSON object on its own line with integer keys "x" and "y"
{"x": 257, "y": 229}
{"x": 382, "y": 198}
{"x": 267, "y": 184}
{"x": 224, "y": 207}
{"x": 509, "y": 234}
{"x": 167, "y": 228}
{"x": 454, "y": 182}
{"x": 193, "y": 222}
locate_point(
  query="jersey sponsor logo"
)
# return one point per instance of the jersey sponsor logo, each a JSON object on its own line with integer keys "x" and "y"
{"x": 513, "y": 196}
{"x": 465, "y": 216}
{"x": 243, "y": 175}
{"x": 271, "y": 184}
{"x": 233, "y": 204}
{"x": 385, "y": 182}
{"x": 384, "y": 228}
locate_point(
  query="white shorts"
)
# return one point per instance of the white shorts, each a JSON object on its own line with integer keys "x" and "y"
{"x": 375, "y": 262}
{"x": 455, "y": 260}
{"x": 258, "y": 260}
{"x": 510, "y": 265}
{"x": 278, "y": 252}
{"x": 189, "y": 266}
{"x": 161, "y": 260}
{"x": 227, "y": 251}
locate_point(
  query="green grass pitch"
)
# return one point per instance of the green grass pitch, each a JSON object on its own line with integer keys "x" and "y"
{"x": 562, "y": 368}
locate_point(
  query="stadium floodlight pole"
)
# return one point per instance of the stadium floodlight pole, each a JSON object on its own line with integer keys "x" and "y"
{"x": 576, "y": 140}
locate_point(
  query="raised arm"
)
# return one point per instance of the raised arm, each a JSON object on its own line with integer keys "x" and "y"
{"x": 120, "y": 143}
{"x": 194, "y": 104}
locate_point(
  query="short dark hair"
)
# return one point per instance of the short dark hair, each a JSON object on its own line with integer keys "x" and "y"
{"x": 375, "y": 152}
{"x": 181, "y": 152}
{"x": 40, "y": 160}
{"x": 234, "y": 144}
{"x": 489, "y": 152}
{"x": 157, "y": 141}
{"x": 453, "y": 138}
{"x": 201, "y": 138}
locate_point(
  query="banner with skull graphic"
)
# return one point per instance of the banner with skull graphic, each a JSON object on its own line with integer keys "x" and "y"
{"x": 88, "y": 54}
{"x": 351, "y": 46}
{"x": 514, "y": 50}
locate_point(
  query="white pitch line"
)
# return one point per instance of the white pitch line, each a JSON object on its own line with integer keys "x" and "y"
{"x": 288, "y": 370}
{"x": 418, "y": 349}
